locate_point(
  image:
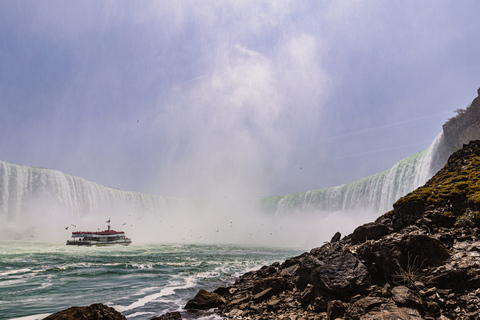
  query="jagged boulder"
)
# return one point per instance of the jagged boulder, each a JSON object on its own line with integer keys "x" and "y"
{"x": 340, "y": 274}
{"x": 369, "y": 231}
{"x": 205, "y": 300}
{"x": 93, "y": 312}
{"x": 401, "y": 257}
{"x": 169, "y": 316}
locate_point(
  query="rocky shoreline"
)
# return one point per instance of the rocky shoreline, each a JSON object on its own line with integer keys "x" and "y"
{"x": 419, "y": 261}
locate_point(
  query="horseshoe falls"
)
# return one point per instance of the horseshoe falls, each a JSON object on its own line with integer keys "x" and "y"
{"x": 38, "y": 203}
{"x": 33, "y": 197}
{"x": 375, "y": 193}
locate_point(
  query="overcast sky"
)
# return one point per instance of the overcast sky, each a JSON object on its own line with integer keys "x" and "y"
{"x": 194, "y": 98}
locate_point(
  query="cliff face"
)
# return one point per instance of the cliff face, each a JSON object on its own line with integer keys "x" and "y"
{"x": 418, "y": 261}
{"x": 465, "y": 127}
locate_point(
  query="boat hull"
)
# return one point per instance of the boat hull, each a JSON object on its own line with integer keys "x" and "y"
{"x": 98, "y": 243}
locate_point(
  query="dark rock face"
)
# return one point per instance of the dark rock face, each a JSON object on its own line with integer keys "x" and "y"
{"x": 369, "y": 231}
{"x": 169, "y": 316}
{"x": 465, "y": 127}
{"x": 418, "y": 261}
{"x": 93, "y": 312}
{"x": 336, "y": 237}
{"x": 205, "y": 300}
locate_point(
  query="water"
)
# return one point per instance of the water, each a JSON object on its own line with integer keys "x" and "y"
{"x": 140, "y": 281}
{"x": 375, "y": 193}
{"x": 146, "y": 280}
{"x": 24, "y": 188}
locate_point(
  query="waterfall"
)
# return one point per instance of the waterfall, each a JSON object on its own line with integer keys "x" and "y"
{"x": 375, "y": 193}
{"x": 35, "y": 200}
{"x": 23, "y": 188}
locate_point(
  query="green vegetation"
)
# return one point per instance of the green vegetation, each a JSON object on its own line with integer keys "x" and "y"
{"x": 454, "y": 192}
{"x": 459, "y": 112}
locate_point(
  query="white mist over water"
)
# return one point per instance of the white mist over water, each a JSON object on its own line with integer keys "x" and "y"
{"x": 44, "y": 204}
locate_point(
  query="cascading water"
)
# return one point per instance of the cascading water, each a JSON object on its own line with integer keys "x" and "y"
{"x": 28, "y": 193}
{"x": 375, "y": 193}
{"x": 35, "y": 198}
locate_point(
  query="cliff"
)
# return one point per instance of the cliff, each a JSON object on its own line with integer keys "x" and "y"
{"x": 419, "y": 261}
{"x": 465, "y": 127}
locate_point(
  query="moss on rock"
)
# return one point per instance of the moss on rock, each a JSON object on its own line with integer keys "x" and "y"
{"x": 454, "y": 191}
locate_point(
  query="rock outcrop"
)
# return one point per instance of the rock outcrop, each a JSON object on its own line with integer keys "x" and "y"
{"x": 465, "y": 126}
{"x": 93, "y": 312}
{"x": 419, "y": 261}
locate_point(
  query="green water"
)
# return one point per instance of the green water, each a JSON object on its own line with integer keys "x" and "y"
{"x": 140, "y": 281}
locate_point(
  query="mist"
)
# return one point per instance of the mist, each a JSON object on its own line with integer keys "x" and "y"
{"x": 218, "y": 104}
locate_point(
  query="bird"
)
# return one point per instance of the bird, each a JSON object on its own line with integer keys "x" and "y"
{"x": 66, "y": 228}
{"x": 73, "y": 225}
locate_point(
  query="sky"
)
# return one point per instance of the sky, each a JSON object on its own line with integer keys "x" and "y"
{"x": 221, "y": 98}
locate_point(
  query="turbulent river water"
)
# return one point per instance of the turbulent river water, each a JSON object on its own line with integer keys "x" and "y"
{"x": 140, "y": 281}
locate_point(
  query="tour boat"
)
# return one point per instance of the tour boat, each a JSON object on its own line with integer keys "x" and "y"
{"x": 99, "y": 238}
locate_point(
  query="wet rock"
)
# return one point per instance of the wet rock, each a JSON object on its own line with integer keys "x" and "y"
{"x": 93, "y": 312}
{"x": 205, "y": 300}
{"x": 169, "y": 316}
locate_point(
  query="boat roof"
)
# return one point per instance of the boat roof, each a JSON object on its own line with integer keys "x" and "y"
{"x": 100, "y": 233}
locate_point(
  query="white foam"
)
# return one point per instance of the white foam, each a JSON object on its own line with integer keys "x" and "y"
{"x": 167, "y": 291}
{"x": 33, "y": 317}
{"x": 10, "y": 272}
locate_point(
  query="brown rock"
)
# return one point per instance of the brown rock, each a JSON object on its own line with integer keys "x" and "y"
{"x": 205, "y": 300}
{"x": 335, "y": 310}
{"x": 393, "y": 314}
{"x": 93, "y": 312}
{"x": 406, "y": 297}
{"x": 364, "y": 305}
{"x": 169, "y": 316}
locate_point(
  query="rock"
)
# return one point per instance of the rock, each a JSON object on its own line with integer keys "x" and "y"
{"x": 336, "y": 237}
{"x": 93, "y": 312}
{"x": 341, "y": 274}
{"x": 335, "y": 309}
{"x": 420, "y": 259}
{"x": 428, "y": 251}
{"x": 205, "y": 300}
{"x": 364, "y": 305}
{"x": 401, "y": 258}
{"x": 403, "y": 296}
{"x": 263, "y": 295}
{"x": 276, "y": 284}
{"x": 169, "y": 316}
{"x": 393, "y": 314}
{"x": 369, "y": 231}
{"x": 307, "y": 295}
